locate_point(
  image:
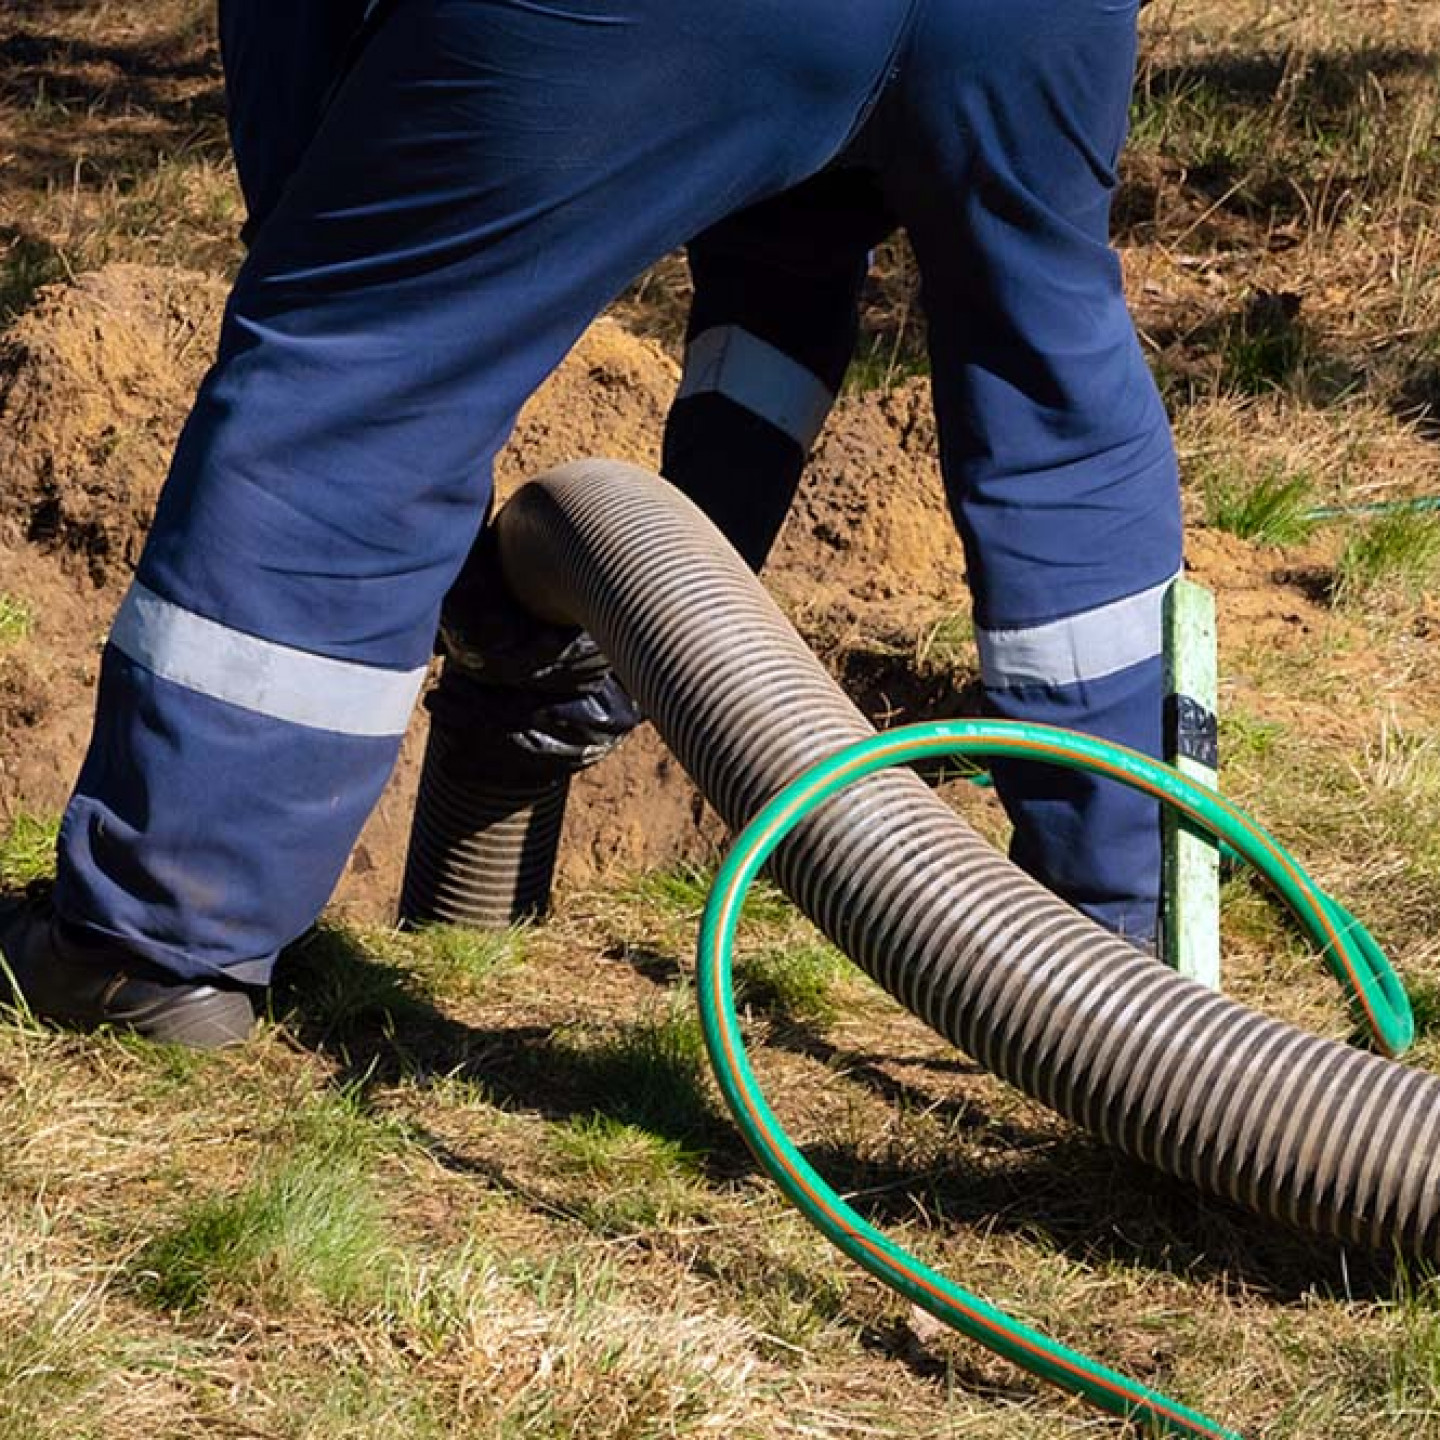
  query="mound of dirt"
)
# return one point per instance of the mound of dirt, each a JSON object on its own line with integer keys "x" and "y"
{"x": 871, "y": 514}
{"x": 95, "y": 381}
{"x": 608, "y": 398}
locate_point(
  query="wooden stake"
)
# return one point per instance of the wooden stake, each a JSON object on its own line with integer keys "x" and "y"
{"x": 1192, "y": 860}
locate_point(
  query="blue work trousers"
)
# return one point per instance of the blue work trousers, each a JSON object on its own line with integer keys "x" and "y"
{"x": 484, "y": 176}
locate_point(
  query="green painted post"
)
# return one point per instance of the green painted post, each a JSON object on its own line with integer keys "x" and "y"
{"x": 1192, "y": 861}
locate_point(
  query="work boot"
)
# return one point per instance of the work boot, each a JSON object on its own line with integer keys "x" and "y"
{"x": 80, "y": 987}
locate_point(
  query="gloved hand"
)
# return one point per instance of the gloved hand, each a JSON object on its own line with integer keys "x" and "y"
{"x": 534, "y": 701}
{"x": 528, "y": 734}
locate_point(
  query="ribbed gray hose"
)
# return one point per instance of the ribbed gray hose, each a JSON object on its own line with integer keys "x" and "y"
{"x": 482, "y": 853}
{"x": 1303, "y": 1129}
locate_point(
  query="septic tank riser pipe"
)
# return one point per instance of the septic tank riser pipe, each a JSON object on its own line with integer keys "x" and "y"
{"x": 1296, "y": 1126}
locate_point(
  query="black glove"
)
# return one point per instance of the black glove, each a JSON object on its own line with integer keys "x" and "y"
{"x": 534, "y": 702}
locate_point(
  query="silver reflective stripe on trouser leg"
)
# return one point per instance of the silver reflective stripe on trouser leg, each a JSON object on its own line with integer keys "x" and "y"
{"x": 728, "y": 360}
{"x": 267, "y": 678}
{"x": 1087, "y": 646}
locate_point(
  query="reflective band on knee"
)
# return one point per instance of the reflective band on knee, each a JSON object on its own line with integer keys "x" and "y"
{"x": 260, "y": 675}
{"x": 732, "y": 362}
{"x": 1087, "y": 646}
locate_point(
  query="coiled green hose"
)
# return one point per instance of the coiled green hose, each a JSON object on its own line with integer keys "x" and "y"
{"x": 1349, "y": 950}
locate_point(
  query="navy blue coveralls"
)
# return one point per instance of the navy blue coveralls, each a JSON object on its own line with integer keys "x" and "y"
{"x": 437, "y": 227}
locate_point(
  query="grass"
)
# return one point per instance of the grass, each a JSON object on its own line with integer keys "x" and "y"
{"x": 482, "y": 1187}
{"x": 883, "y": 363}
{"x": 27, "y": 850}
{"x": 796, "y": 982}
{"x": 27, "y": 264}
{"x": 17, "y": 620}
{"x": 1270, "y": 509}
{"x": 305, "y": 1223}
{"x": 1247, "y": 738}
{"x": 343, "y": 988}
{"x": 458, "y": 962}
{"x": 308, "y": 1228}
{"x": 1264, "y": 346}
{"x": 650, "y": 1073}
{"x": 947, "y": 646}
{"x": 1395, "y": 558}
{"x": 624, "y": 1179}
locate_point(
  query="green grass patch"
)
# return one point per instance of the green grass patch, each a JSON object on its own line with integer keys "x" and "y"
{"x": 609, "y": 1149}
{"x": 334, "y": 984}
{"x": 457, "y": 961}
{"x": 311, "y": 1228}
{"x": 52, "y": 1357}
{"x": 626, "y": 1179}
{"x": 1395, "y": 557}
{"x": 26, "y": 265}
{"x": 650, "y": 1074}
{"x": 341, "y": 1124}
{"x": 678, "y": 893}
{"x": 884, "y": 361}
{"x": 946, "y": 646}
{"x": 675, "y": 899}
{"x": 27, "y": 851}
{"x": 1247, "y": 740}
{"x": 1269, "y": 509}
{"x": 795, "y": 981}
{"x": 17, "y": 620}
{"x": 1265, "y": 347}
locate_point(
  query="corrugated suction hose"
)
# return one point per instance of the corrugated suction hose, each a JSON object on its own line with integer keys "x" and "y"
{"x": 482, "y": 852}
{"x": 1300, "y": 1128}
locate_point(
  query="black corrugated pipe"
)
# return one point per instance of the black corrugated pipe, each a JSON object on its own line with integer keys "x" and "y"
{"x": 482, "y": 851}
{"x": 1300, "y": 1128}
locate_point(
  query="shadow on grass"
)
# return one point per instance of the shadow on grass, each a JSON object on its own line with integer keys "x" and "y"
{"x": 122, "y": 103}
{"x": 1264, "y": 345}
{"x": 1251, "y": 131}
{"x": 1328, "y": 90}
{"x": 1061, "y": 1188}
{"x": 27, "y": 262}
{"x": 378, "y": 1025}
{"x": 109, "y": 77}
{"x": 1074, "y": 1196}
{"x": 1417, "y": 402}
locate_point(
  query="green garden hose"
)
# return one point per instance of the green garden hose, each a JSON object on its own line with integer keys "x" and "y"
{"x": 1417, "y": 504}
{"x": 1348, "y": 948}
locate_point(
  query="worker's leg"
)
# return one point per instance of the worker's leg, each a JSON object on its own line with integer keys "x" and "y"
{"x": 282, "y": 59}
{"x": 1004, "y": 131}
{"x": 486, "y": 176}
{"x": 771, "y": 332}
